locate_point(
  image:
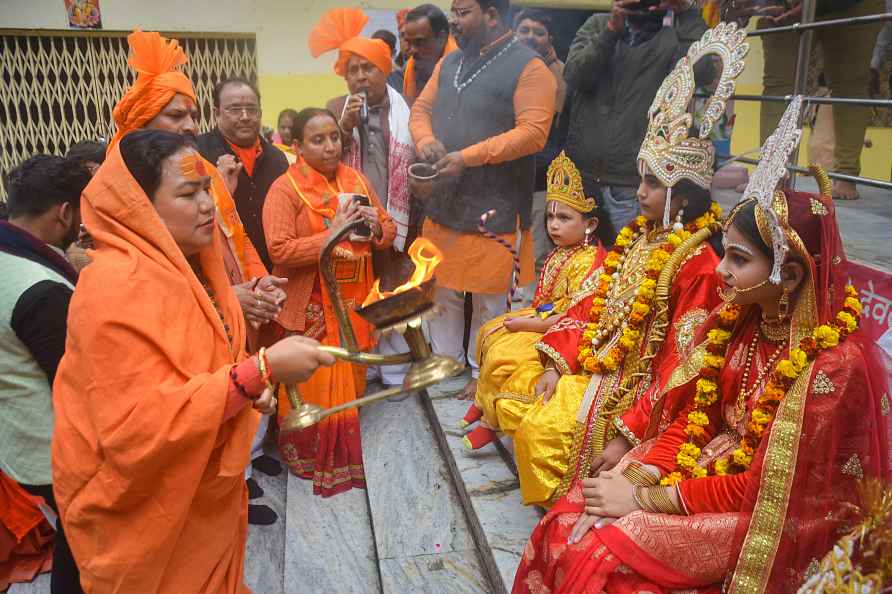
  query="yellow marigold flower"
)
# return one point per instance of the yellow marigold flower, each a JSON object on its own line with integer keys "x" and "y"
{"x": 627, "y": 343}
{"x": 715, "y": 209}
{"x": 685, "y": 461}
{"x": 689, "y": 449}
{"x": 826, "y": 336}
{"x": 621, "y": 241}
{"x": 640, "y": 308}
{"x": 698, "y": 418}
{"x": 787, "y": 369}
{"x": 674, "y": 239}
{"x": 605, "y": 278}
{"x": 599, "y": 301}
{"x": 741, "y": 458}
{"x": 851, "y": 291}
{"x": 609, "y": 363}
{"x": 698, "y": 472}
{"x": 853, "y": 303}
{"x": 721, "y": 466}
{"x": 671, "y": 478}
{"x": 799, "y": 358}
{"x": 714, "y": 361}
{"x": 718, "y": 336}
{"x": 761, "y": 417}
{"x": 706, "y": 386}
{"x": 848, "y": 320}
{"x": 640, "y": 220}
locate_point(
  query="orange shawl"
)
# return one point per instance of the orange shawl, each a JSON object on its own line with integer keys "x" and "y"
{"x": 148, "y": 478}
{"x": 410, "y": 85}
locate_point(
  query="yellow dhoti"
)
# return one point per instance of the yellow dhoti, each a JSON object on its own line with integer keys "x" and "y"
{"x": 543, "y": 433}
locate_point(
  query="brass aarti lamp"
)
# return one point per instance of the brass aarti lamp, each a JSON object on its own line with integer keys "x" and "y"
{"x": 401, "y": 312}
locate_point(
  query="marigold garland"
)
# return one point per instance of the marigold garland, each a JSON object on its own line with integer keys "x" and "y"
{"x": 823, "y": 337}
{"x": 642, "y": 305}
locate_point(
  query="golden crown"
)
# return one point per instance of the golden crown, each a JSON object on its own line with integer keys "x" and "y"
{"x": 565, "y": 185}
{"x": 668, "y": 150}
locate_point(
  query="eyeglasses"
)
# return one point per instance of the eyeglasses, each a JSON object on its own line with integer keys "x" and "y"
{"x": 248, "y": 111}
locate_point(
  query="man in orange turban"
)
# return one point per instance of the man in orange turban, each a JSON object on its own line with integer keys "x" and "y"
{"x": 163, "y": 98}
{"x": 379, "y": 145}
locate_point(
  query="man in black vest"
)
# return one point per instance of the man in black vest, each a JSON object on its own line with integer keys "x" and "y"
{"x": 237, "y": 138}
{"x": 484, "y": 114}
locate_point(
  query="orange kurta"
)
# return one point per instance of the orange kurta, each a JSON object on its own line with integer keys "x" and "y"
{"x": 147, "y": 474}
{"x": 471, "y": 262}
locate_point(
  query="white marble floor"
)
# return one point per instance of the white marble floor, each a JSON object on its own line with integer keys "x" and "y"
{"x": 409, "y": 532}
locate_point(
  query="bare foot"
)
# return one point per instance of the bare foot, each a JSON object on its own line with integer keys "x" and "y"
{"x": 845, "y": 190}
{"x": 469, "y": 391}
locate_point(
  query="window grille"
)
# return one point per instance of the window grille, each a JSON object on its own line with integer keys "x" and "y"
{"x": 60, "y": 87}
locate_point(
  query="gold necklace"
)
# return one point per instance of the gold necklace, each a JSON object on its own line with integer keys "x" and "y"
{"x": 775, "y": 330}
{"x": 745, "y": 391}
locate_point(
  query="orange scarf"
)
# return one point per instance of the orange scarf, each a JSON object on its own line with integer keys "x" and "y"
{"x": 410, "y": 85}
{"x": 247, "y": 155}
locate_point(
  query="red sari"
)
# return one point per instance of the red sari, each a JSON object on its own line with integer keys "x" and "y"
{"x": 763, "y": 529}
{"x": 297, "y": 215}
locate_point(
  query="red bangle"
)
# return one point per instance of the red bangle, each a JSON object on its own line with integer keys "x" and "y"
{"x": 266, "y": 370}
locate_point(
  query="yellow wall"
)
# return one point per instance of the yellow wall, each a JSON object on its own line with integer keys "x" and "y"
{"x": 876, "y": 162}
{"x": 297, "y": 91}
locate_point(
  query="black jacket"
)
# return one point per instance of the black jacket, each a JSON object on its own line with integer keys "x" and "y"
{"x": 614, "y": 84}
{"x": 251, "y": 191}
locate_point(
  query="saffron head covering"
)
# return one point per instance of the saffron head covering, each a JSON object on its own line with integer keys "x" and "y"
{"x": 339, "y": 29}
{"x": 155, "y": 60}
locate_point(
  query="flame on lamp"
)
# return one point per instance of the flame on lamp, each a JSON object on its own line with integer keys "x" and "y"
{"x": 426, "y": 256}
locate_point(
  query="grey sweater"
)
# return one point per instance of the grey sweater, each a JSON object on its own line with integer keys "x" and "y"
{"x": 613, "y": 86}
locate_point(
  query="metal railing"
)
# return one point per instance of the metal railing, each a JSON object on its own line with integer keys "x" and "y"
{"x": 805, "y": 28}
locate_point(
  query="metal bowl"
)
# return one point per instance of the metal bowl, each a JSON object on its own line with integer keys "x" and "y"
{"x": 402, "y": 306}
{"x": 422, "y": 179}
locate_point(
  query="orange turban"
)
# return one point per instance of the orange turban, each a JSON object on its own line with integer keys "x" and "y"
{"x": 339, "y": 29}
{"x": 155, "y": 60}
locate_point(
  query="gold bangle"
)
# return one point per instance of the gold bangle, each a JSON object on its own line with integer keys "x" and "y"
{"x": 638, "y": 475}
{"x": 264, "y": 372}
{"x": 661, "y": 501}
{"x": 638, "y": 499}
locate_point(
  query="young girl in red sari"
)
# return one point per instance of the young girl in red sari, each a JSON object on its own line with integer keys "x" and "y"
{"x": 300, "y": 211}
{"x": 759, "y": 452}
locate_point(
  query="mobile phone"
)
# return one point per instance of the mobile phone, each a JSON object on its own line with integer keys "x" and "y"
{"x": 362, "y": 229}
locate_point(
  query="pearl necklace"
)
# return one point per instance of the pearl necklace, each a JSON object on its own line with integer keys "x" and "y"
{"x": 461, "y": 61}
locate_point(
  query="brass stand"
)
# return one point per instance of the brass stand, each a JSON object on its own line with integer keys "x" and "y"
{"x": 401, "y": 313}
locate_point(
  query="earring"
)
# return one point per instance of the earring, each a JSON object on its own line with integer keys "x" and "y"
{"x": 783, "y": 305}
{"x": 678, "y": 225}
{"x": 588, "y": 233}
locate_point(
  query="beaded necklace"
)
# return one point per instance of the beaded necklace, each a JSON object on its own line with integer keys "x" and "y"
{"x": 459, "y": 87}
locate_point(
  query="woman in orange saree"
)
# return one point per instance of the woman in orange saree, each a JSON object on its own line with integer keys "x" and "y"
{"x": 155, "y": 400}
{"x": 759, "y": 453}
{"x": 300, "y": 211}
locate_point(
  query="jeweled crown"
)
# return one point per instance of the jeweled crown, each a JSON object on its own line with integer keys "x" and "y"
{"x": 565, "y": 185}
{"x": 669, "y": 150}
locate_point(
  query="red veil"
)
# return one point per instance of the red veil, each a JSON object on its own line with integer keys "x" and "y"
{"x": 800, "y": 505}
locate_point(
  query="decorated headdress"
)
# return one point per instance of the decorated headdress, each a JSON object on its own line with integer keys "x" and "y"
{"x": 565, "y": 185}
{"x": 156, "y": 61}
{"x": 668, "y": 149}
{"x": 339, "y": 29}
{"x": 772, "y": 213}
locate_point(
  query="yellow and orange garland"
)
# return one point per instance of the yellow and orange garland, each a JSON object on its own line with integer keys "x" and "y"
{"x": 782, "y": 378}
{"x": 644, "y": 295}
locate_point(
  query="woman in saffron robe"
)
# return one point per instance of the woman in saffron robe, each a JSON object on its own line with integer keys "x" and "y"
{"x": 508, "y": 341}
{"x": 153, "y": 398}
{"x": 761, "y": 451}
{"x": 300, "y": 210}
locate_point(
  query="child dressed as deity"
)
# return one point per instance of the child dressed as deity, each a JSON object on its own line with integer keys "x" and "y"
{"x": 507, "y": 341}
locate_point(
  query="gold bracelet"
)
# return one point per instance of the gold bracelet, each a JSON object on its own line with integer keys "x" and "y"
{"x": 638, "y": 475}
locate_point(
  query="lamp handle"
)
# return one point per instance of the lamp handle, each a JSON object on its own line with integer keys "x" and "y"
{"x": 345, "y": 328}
